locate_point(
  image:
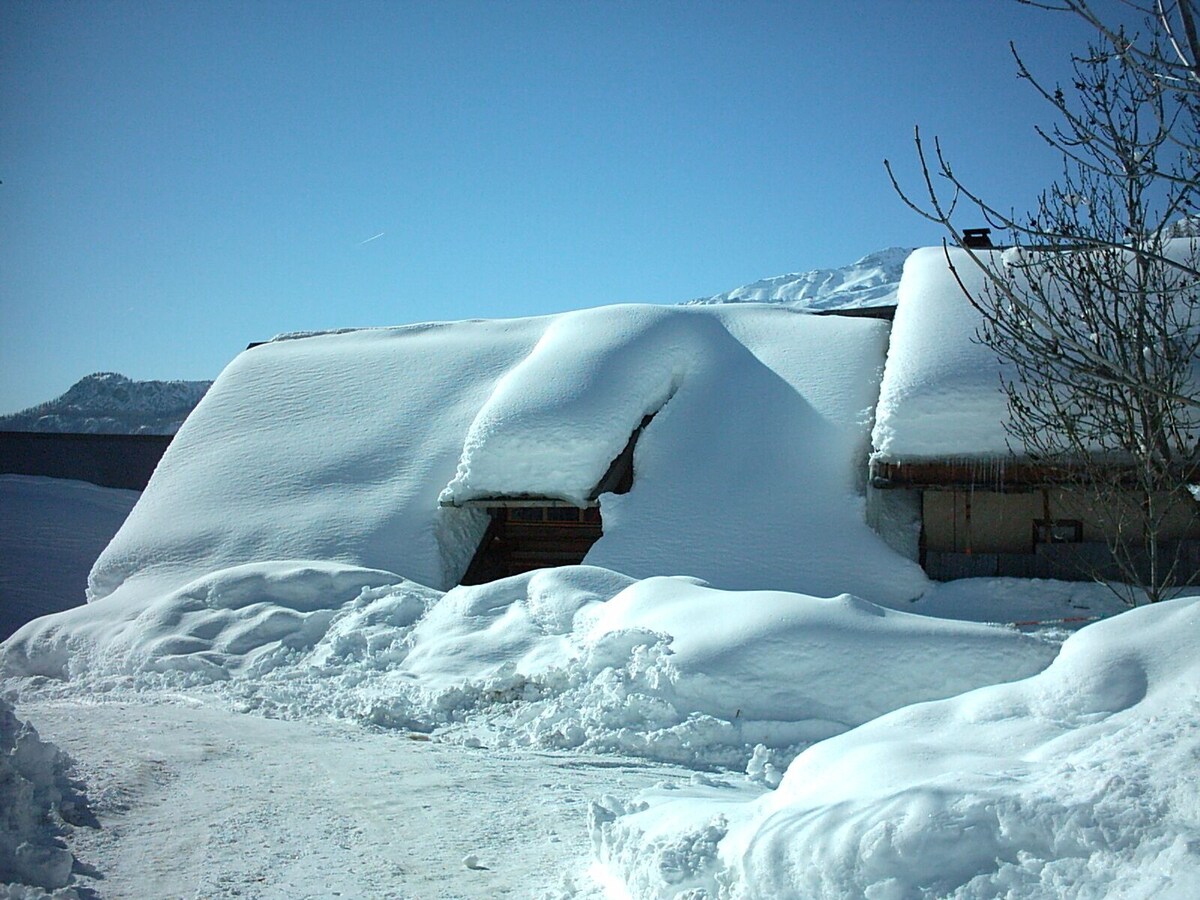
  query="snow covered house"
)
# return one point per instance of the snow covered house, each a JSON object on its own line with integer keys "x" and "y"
{"x": 945, "y": 487}
{"x": 726, "y": 443}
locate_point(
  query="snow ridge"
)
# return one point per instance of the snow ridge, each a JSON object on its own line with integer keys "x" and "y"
{"x": 36, "y": 801}
{"x": 871, "y": 281}
{"x": 109, "y": 403}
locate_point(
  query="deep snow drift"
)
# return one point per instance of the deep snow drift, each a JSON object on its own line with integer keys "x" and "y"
{"x": 1081, "y": 781}
{"x": 570, "y": 658}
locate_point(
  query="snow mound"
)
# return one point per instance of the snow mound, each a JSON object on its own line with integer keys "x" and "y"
{"x": 1079, "y": 781}
{"x": 209, "y": 629}
{"x": 871, "y": 281}
{"x": 787, "y": 658}
{"x": 35, "y": 800}
{"x": 569, "y": 658}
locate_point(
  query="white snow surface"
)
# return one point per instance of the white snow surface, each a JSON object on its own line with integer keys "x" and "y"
{"x": 942, "y": 390}
{"x": 575, "y": 658}
{"x": 337, "y": 447}
{"x": 51, "y": 531}
{"x": 941, "y": 393}
{"x": 871, "y": 281}
{"x": 1080, "y": 781}
{"x": 36, "y": 800}
{"x": 289, "y": 559}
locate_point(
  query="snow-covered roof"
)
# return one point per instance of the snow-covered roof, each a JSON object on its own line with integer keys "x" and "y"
{"x": 941, "y": 394}
{"x": 338, "y": 447}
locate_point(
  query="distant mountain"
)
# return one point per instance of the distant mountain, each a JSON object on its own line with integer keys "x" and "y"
{"x": 872, "y": 281}
{"x": 108, "y": 403}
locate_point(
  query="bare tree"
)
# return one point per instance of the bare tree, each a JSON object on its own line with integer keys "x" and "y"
{"x": 1095, "y": 309}
{"x": 1173, "y": 53}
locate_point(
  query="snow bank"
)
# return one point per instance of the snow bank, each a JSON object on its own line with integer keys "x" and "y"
{"x": 1079, "y": 781}
{"x": 209, "y": 629}
{"x": 337, "y": 447}
{"x": 35, "y": 796}
{"x": 568, "y": 658}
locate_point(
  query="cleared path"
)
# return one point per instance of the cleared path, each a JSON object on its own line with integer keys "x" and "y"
{"x": 197, "y": 801}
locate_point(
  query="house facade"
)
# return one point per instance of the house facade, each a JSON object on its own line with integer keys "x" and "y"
{"x": 945, "y": 486}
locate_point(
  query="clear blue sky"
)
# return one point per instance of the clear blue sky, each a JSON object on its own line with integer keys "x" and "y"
{"x": 182, "y": 178}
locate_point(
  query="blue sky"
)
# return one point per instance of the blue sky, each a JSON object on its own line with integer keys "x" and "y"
{"x": 182, "y": 178}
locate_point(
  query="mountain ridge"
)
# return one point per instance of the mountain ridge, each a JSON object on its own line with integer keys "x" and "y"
{"x": 111, "y": 403}
{"x": 870, "y": 281}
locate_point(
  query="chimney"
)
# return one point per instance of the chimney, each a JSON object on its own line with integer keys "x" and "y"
{"x": 977, "y": 238}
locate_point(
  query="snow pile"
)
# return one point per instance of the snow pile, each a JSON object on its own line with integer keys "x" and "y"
{"x": 1079, "y": 781}
{"x": 871, "y": 281}
{"x": 108, "y": 403}
{"x": 35, "y": 799}
{"x": 570, "y": 658}
{"x": 209, "y": 629}
{"x": 51, "y": 531}
{"x": 337, "y": 447}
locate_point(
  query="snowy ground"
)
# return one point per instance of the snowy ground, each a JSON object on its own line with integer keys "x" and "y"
{"x": 194, "y": 800}
{"x": 314, "y": 729}
{"x": 51, "y": 531}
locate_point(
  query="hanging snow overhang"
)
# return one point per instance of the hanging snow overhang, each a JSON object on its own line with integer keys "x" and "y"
{"x": 618, "y": 479}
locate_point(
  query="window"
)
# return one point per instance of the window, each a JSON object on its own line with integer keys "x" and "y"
{"x": 1057, "y": 531}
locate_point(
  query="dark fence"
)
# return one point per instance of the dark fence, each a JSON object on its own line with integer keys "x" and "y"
{"x": 109, "y": 460}
{"x": 1069, "y": 562}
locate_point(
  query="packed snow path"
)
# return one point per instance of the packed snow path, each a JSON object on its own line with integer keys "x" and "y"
{"x": 197, "y": 801}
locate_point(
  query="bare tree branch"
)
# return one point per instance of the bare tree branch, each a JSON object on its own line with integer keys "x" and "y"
{"x": 1094, "y": 311}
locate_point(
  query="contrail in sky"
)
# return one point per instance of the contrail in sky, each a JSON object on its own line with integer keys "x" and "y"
{"x": 368, "y": 240}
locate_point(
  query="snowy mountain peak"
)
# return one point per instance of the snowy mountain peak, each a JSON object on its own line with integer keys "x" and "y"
{"x": 871, "y": 281}
{"x": 110, "y": 403}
